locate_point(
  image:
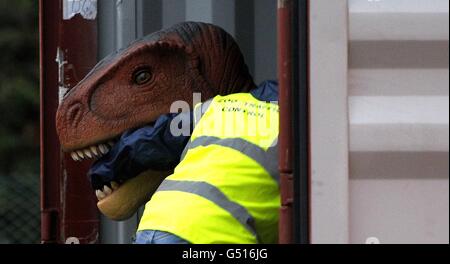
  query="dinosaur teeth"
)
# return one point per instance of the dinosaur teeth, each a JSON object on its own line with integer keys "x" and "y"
{"x": 107, "y": 190}
{"x": 80, "y": 154}
{"x": 94, "y": 150}
{"x": 88, "y": 153}
{"x": 74, "y": 156}
{"x": 103, "y": 148}
{"x": 100, "y": 195}
{"x": 114, "y": 185}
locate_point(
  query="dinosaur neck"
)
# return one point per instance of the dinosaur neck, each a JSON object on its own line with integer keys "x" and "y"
{"x": 220, "y": 60}
{"x": 228, "y": 73}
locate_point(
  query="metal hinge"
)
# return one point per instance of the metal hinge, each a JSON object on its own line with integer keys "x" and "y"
{"x": 287, "y": 189}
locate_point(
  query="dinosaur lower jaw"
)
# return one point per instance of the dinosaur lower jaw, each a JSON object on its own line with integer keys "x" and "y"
{"x": 120, "y": 201}
{"x": 123, "y": 202}
{"x": 106, "y": 190}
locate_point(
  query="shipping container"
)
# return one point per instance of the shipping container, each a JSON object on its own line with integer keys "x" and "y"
{"x": 364, "y": 102}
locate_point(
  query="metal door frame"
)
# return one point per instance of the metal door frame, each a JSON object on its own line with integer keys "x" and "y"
{"x": 68, "y": 204}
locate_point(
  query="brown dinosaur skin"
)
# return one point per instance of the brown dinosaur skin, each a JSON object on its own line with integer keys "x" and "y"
{"x": 187, "y": 58}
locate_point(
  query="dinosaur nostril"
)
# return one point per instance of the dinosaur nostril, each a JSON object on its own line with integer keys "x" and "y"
{"x": 74, "y": 113}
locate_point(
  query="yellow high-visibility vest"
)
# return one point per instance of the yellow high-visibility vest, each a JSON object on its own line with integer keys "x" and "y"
{"x": 225, "y": 189}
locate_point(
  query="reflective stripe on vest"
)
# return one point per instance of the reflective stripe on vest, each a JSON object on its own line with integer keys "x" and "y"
{"x": 264, "y": 158}
{"x": 214, "y": 195}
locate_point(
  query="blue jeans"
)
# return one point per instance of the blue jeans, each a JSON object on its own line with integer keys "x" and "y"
{"x": 157, "y": 237}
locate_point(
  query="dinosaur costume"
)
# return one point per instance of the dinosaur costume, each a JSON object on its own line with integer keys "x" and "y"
{"x": 171, "y": 64}
{"x": 127, "y": 98}
{"x": 224, "y": 188}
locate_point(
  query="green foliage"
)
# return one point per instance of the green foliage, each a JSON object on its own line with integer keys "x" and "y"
{"x": 19, "y": 122}
{"x": 19, "y": 88}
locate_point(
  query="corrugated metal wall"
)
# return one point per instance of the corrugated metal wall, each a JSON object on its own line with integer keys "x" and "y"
{"x": 399, "y": 120}
{"x": 380, "y": 121}
{"x": 251, "y": 22}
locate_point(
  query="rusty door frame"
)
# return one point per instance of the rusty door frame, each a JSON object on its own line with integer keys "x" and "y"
{"x": 294, "y": 165}
{"x": 68, "y": 206}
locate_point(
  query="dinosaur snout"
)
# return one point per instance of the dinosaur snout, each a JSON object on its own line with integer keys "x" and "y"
{"x": 69, "y": 117}
{"x": 74, "y": 114}
{"x": 80, "y": 130}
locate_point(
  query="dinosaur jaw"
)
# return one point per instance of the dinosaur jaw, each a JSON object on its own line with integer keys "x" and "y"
{"x": 119, "y": 201}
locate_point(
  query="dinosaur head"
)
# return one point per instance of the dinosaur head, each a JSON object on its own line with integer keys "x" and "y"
{"x": 133, "y": 86}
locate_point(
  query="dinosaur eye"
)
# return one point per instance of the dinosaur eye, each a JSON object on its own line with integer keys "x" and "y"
{"x": 142, "y": 76}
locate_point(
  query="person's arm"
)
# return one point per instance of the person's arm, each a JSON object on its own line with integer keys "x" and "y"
{"x": 150, "y": 147}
